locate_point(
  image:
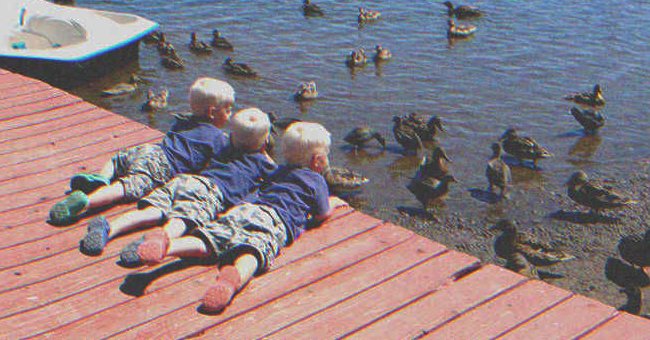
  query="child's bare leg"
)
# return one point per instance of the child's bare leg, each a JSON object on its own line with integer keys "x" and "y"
{"x": 230, "y": 280}
{"x": 106, "y": 195}
{"x": 135, "y": 219}
{"x": 175, "y": 228}
{"x": 108, "y": 170}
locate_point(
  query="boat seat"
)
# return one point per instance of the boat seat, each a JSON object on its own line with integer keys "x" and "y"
{"x": 42, "y": 31}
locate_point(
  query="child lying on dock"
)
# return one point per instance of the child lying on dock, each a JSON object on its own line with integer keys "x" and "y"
{"x": 190, "y": 200}
{"x": 133, "y": 173}
{"x": 253, "y": 232}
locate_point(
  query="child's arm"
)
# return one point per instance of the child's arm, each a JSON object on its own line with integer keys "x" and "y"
{"x": 333, "y": 202}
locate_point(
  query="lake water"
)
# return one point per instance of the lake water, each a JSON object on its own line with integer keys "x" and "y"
{"x": 523, "y": 59}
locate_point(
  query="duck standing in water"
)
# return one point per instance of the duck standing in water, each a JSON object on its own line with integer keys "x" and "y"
{"x": 361, "y": 135}
{"x": 523, "y": 252}
{"x": 198, "y": 47}
{"x": 220, "y": 42}
{"x": 463, "y": 11}
{"x": 429, "y": 190}
{"x": 498, "y": 172}
{"x": 123, "y": 88}
{"x": 590, "y": 120}
{"x": 592, "y": 99}
{"x": 155, "y": 101}
{"x": 366, "y": 15}
{"x": 239, "y": 69}
{"x": 435, "y": 165}
{"x": 342, "y": 180}
{"x": 594, "y": 196}
{"x": 356, "y": 58}
{"x": 523, "y": 147}
{"x": 310, "y": 9}
{"x": 459, "y": 31}
{"x": 382, "y": 54}
{"x": 306, "y": 91}
{"x": 405, "y": 135}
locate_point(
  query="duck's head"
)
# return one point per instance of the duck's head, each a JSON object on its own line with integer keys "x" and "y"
{"x": 598, "y": 92}
{"x": 229, "y": 61}
{"x": 505, "y": 225}
{"x": 164, "y": 93}
{"x": 451, "y": 23}
{"x": 216, "y": 34}
{"x": 497, "y": 150}
{"x": 397, "y": 119}
{"x": 435, "y": 123}
{"x": 511, "y": 132}
{"x": 439, "y": 153}
{"x": 378, "y": 48}
{"x": 361, "y": 11}
{"x": 193, "y": 36}
{"x": 578, "y": 178}
{"x": 446, "y": 179}
{"x": 134, "y": 79}
{"x": 307, "y": 2}
{"x": 448, "y": 4}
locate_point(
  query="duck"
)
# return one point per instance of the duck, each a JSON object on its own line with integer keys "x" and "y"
{"x": 430, "y": 191}
{"x": 594, "y": 196}
{"x": 166, "y": 48}
{"x": 342, "y": 180}
{"x": 172, "y": 62}
{"x": 382, "y": 54}
{"x": 356, "y": 58}
{"x": 367, "y": 15}
{"x": 590, "y": 120}
{"x": 306, "y": 91}
{"x": 239, "y": 69}
{"x": 123, "y": 88}
{"x": 359, "y": 136}
{"x": 435, "y": 165}
{"x": 592, "y": 99}
{"x": 635, "y": 249}
{"x": 220, "y": 42}
{"x": 310, "y": 9}
{"x": 435, "y": 125}
{"x": 198, "y": 47}
{"x": 523, "y": 147}
{"x": 497, "y": 171}
{"x": 463, "y": 11}
{"x": 523, "y": 252}
{"x": 277, "y": 125}
{"x": 427, "y": 131}
{"x": 459, "y": 31}
{"x": 154, "y": 37}
{"x": 156, "y": 101}
{"x": 405, "y": 135}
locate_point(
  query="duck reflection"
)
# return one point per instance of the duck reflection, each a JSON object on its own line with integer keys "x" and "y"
{"x": 586, "y": 146}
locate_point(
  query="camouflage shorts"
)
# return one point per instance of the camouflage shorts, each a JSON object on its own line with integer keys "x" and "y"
{"x": 141, "y": 169}
{"x": 247, "y": 227}
{"x": 193, "y": 198}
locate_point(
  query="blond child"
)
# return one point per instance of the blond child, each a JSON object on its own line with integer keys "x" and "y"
{"x": 133, "y": 173}
{"x": 190, "y": 200}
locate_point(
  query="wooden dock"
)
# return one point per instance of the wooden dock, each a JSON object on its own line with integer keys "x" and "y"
{"x": 354, "y": 277}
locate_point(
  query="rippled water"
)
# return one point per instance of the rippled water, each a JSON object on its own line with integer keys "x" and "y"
{"x": 523, "y": 59}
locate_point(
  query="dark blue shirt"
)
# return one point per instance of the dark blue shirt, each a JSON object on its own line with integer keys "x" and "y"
{"x": 294, "y": 193}
{"x": 191, "y": 142}
{"x": 237, "y": 173}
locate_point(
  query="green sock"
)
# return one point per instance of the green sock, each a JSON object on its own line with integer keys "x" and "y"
{"x": 67, "y": 211}
{"x": 88, "y": 182}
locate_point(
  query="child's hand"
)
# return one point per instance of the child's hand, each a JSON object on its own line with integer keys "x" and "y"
{"x": 336, "y": 202}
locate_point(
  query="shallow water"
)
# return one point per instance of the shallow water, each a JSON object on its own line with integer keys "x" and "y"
{"x": 523, "y": 59}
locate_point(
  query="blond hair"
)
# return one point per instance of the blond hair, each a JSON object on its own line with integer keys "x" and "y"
{"x": 249, "y": 129}
{"x": 302, "y": 140}
{"x": 209, "y": 92}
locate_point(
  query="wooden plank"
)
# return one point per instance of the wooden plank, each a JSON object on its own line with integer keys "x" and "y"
{"x": 58, "y": 130}
{"x": 105, "y": 322}
{"x": 101, "y": 131}
{"x": 69, "y": 163}
{"x": 29, "y": 98}
{"x": 11, "y": 80}
{"x": 23, "y": 89}
{"x": 295, "y": 268}
{"x": 502, "y": 313}
{"x": 443, "y": 305}
{"x": 35, "y": 107}
{"x": 623, "y": 326}
{"x": 378, "y": 301}
{"x": 565, "y": 321}
{"x": 49, "y": 193}
{"x": 17, "y": 127}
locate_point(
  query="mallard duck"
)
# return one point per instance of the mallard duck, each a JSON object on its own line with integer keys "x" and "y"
{"x": 435, "y": 165}
{"x": 459, "y": 31}
{"x": 463, "y": 11}
{"x": 172, "y": 62}
{"x": 427, "y": 131}
{"x": 198, "y": 47}
{"x": 361, "y": 135}
{"x": 343, "y": 180}
{"x": 594, "y": 196}
{"x": 590, "y": 120}
{"x": 367, "y": 15}
{"x": 311, "y": 10}
{"x": 238, "y": 68}
{"x": 593, "y": 99}
{"x": 635, "y": 249}
{"x": 405, "y": 135}
{"x": 497, "y": 171}
{"x": 154, "y": 37}
{"x": 512, "y": 245}
{"x": 382, "y": 53}
{"x": 430, "y": 191}
{"x": 123, "y": 88}
{"x": 220, "y": 42}
{"x": 166, "y": 48}
{"x": 523, "y": 147}
{"x": 356, "y": 58}
{"x": 306, "y": 91}
{"x": 156, "y": 101}
{"x": 435, "y": 125}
